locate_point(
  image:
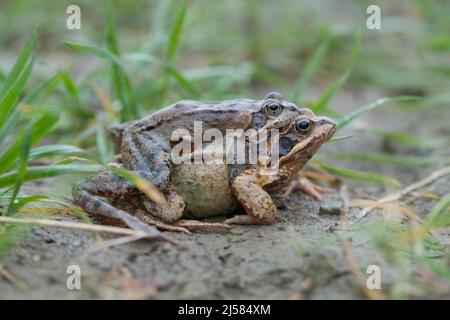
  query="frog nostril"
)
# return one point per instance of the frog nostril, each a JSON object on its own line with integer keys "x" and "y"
{"x": 324, "y": 120}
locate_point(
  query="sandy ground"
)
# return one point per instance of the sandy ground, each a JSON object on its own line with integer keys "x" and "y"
{"x": 300, "y": 256}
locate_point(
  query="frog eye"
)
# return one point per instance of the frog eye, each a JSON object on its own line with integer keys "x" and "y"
{"x": 303, "y": 125}
{"x": 273, "y": 109}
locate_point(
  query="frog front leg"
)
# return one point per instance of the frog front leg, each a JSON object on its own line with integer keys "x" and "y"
{"x": 257, "y": 203}
{"x": 89, "y": 194}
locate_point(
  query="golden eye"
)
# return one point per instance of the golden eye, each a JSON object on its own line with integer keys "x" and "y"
{"x": 303, "y": 125}
{"x": 273, "y": 109}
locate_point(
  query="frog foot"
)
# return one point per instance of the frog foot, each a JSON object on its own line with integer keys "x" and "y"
{"x": 145, "y": 217}
{"x": 181, "y": 225}
{"x": 199, "y": 225}
{"x": 306, "y": 186}
{"x": 242, "y": 219}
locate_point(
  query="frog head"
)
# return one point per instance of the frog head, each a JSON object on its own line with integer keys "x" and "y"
{"x": 301, "y": 140}
{"x": 274, "y": 112}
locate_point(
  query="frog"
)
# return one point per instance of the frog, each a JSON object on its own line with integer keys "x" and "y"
{"x": 196, "y": 191}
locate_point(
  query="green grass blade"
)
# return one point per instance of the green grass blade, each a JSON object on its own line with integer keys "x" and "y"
{"x": 369, "y": 107}
{"x": 33, "y": 173}
{"x": 111, "y": 38}
{"x": 55, "y": 150}
{"x": 145, "y": 186}
{"x": 311, "y": 66}
{"x": 9, "y": 99}
{"x": 23, "y": 165}
{"x": 359, "y": 175}
{"x": 331, "y": 90}
{"x": 12, "y": 120}
{"x": 41, "y": 127}
{"x": 396, "y": 159}
{"x": 120, "y": 80}
{"x": 28, "y": 199}
{"x": 435, "y": 213}
{"x": 340, "y": 138}
{"x": 95, "y": 50}
{"x": 409, "y": 139}
{"x": 104, "y": 149}
{"x": 22, "y": 61}
{"x": 184, "y": 82}
{"x": 70, "y": 85}
{"x": 43, "y": 89}
{"x": 175, "y": 34}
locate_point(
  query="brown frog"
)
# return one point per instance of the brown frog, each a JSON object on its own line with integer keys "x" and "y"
{"x": 201, "y": 190}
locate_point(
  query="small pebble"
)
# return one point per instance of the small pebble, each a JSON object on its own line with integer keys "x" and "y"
{"x": 331, "y": 205}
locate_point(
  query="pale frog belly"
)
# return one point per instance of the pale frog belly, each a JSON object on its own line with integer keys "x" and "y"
{"x": 205, "y": 188}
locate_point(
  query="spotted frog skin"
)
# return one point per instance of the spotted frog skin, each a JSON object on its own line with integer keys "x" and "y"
{"x": 202, "y": 190}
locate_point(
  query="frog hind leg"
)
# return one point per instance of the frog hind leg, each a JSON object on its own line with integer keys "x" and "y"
{"x": 257, "y": 203}
{"x": 142, "y": 154}
{"x": 168, "y": 216}
{"x": 89, "y": 195}
{"x": 169, "y": 212}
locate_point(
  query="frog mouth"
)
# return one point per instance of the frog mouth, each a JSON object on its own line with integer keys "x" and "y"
{"x": 311, "y": 145}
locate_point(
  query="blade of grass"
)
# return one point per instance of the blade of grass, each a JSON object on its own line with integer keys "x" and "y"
{"x": 23, "y": 60}
{"x": 369, "y": 107}
{"x": 41, "y": 127}
{"x": 120, "y": 81}
{"x": 75, "y": 159}
{"x": 12, "y": 120}
{"x": 54, "y": 150}
{"x": 175, "y": 34}
{"x": 397, "y": 159}
{"x": 39, "y": 172}
{"x": 331, "y": 90}
{"x": 43, "y": 89}
{"x": 94, "y": 50}
{"x": 145, "y": 186}
{"x": 70, "y": 85}
{"x": 173, "y": 44}
{"x": 340, "y": 138}
{"x": 311, "y": 66}
{"x": 28, "y": 199}
{"x": 433, "y": 216}
{"x": 23, "y": 165}
{"x": 359, "y": 175}
{"x": 104, "y": 54}
{"x": 9, "y": 99}
{"x": 183, "y": 81}
{"x": 409, "y": 139}
{"x": 104, "y": 149}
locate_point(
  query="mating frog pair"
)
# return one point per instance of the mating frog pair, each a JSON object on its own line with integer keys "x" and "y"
{"x": 203, "y": 190}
